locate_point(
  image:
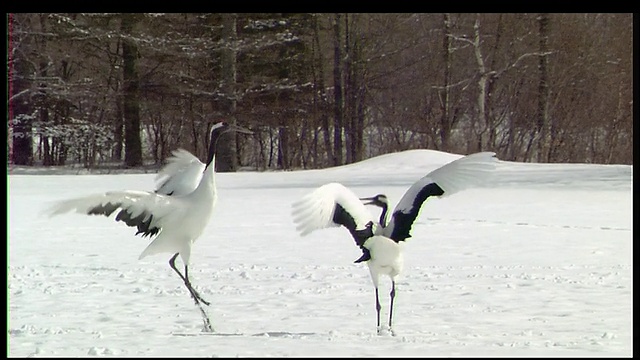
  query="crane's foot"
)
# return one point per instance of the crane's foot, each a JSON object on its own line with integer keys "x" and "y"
{"x": 207, "y": 328}
{"x": 206, "y": 322}
{"x": 385, "y": 331}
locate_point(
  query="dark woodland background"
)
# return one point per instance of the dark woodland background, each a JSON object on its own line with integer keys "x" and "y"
{"x": 318, "y": 90}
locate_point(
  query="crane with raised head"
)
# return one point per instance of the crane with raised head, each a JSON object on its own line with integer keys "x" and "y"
{"x": 176, "y": 213}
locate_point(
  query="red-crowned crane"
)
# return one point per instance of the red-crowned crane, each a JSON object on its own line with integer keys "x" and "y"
{"x": 177, "y": 212}
{"x": 333, "y": 205}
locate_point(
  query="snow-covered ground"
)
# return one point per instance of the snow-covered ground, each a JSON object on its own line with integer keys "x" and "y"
{"x": 537, "y": 263}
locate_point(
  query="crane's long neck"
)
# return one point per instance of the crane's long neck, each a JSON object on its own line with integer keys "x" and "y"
{"x": 208, "y": 178}
{"x": 215, "y": 135}
{"x": 383, "y": 215}
{"x": 208, "y": 181}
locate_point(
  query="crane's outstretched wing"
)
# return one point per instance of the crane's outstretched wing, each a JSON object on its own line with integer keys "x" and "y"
{"x": 145, "y": 210}
{"x": 333, "y": 205}
{"x": 463, "y": 173}
{"x": 181, "y": 175}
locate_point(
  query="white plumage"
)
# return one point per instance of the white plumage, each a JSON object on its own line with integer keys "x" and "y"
{"x": 386, "y": 257}
{"x": 181, "y": 175}
{"x": 334, "y": 205}
{"x": 315, "y": 210}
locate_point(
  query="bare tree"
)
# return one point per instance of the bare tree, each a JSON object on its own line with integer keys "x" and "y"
{"x": 446, "y": 119}
{"x": 131, "y": 104}
{"x": 321, "y": 89}
{"x": 321, "y": 96}
{"x": 227, "y": 159}
{"x": 543, "y": 126}
{"x": 21, "y": 71}
{"x": 338, "y": 106}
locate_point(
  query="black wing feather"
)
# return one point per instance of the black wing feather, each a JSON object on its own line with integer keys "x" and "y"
{"x": 144, "y": 227}
{"x": 342, "y": 217}
{"x": 403, "y": 219}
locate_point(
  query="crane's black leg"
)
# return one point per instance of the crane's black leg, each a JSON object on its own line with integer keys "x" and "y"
{"x": 378, "y": 307}
{"x": 188, "y": 283}
{"x": 194, "y": 294}
{"x": 393, "y": 296}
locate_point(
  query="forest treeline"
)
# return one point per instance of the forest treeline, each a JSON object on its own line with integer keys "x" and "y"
{"x": 318, "y": 90}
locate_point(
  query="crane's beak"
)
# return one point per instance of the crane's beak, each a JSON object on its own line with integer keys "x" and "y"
{"x": 367, "y": 200}
{"x": 240, "y": 129}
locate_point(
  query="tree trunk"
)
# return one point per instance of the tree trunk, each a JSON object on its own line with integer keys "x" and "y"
{"x": 357, "y": 101}
{"x": 353, "y": 92}
{"x": 337, "y": 93}
{"x": 492, "y": 121}
{"x": 283, "y": 148}
{"x": 43, "y": 108}
{"x": 613, "y": 128}
{"x": 320, "y": 96}
{"x": 20, "y": 108}
{"x": 545, "y": 135}
{"x": 131, "y": 104}
{"x": 226, "y": 155}
{"x": 118, "y": 127}
{"x": 445, "y": 123}
{"x": 349, "y": 95}
{"x": 22, "y": 146}
{"x": 483, "y": 84}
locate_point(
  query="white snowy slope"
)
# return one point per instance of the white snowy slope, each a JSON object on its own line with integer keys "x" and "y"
{"x": 536, "y": 263}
